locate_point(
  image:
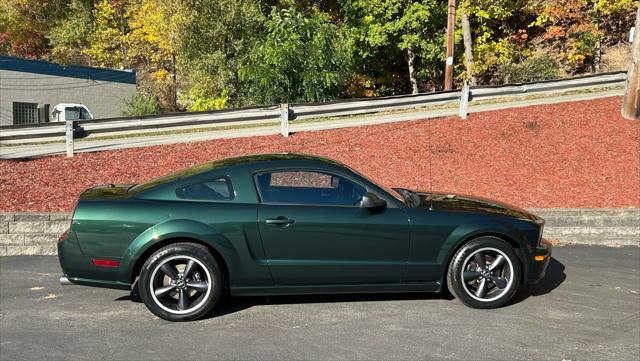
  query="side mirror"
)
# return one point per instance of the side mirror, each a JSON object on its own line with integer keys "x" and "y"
{"x": 372, "y": 202}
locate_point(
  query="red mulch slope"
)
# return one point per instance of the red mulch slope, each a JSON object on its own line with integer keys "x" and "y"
{"x": 580, "y": 154}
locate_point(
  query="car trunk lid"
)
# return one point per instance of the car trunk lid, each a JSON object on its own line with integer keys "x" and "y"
{"x": 107, "y": 191}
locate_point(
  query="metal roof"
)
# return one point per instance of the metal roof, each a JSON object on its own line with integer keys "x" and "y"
{"x": 71, "y": 71}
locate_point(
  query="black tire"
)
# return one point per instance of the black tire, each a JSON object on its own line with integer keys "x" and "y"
{"x": 491, "y": 288}
{"x": 181, "y": 282}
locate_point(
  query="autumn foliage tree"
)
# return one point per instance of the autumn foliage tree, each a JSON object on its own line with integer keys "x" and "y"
{"x": 25, "y": 24}
{"x": 214, "y": 54}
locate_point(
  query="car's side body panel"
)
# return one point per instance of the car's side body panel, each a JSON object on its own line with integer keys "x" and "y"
{"x": 106, "y": 228}
{"x": 435, "y": 235}
{"x": 334, "y": 244}
{"x": 230, "y": 229}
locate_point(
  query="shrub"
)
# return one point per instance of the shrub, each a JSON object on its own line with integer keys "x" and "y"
{"x": 202, "y": 96}
{"x": 140, "y": 104}
{"x": 541, "y": 66}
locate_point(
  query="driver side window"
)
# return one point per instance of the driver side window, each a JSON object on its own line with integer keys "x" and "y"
{"x": 307, "y": 188}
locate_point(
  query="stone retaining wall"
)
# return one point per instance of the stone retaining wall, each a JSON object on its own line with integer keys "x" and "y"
{"x": 31, "y": 233}
{"x": 37, "y": 233}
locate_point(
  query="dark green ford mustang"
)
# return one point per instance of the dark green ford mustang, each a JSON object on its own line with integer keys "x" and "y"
{"x": 294, "y": 224}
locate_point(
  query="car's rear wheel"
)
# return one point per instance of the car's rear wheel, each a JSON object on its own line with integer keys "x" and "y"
{"x": 484, "y": 273}
{"x": 180, "y": 282}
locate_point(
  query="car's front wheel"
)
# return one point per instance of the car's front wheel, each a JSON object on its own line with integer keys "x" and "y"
{"x": 180, "y": 282}
{"x": 484, "y": 273}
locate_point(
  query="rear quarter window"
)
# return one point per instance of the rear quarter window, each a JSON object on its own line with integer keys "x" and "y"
{"x": 215, "y": 189}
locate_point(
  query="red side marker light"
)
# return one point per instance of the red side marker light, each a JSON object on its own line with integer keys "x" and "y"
{"x": 105, "y": 263}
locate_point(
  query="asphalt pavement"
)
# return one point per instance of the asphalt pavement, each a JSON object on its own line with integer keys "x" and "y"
{"x": 588, "y": 307}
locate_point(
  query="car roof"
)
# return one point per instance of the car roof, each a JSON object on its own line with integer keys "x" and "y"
{"x": 70, "y": 105}
{"x": 231, "y": 162}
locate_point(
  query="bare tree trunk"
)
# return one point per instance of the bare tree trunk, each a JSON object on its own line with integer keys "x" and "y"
{"x": 411, "y": 57}
{"x": 174, "y": 78}
{"x": 595, "y": 66}
{"x": 631, "y": 100}
{"x": 468, "y": 50}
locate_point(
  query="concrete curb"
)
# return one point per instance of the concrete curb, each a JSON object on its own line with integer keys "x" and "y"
{"x": 592, "y": 226}
{"x": 36, "y": 233}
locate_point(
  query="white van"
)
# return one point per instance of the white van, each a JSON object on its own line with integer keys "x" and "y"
{"x": 69, "y": 111}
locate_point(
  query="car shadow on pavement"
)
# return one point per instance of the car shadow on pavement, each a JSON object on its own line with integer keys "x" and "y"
{"x": 229, "y": 305}
{"x": 553, "y": 278}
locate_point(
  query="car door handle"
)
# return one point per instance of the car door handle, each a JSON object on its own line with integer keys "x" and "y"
{"x": 280, "y": 221}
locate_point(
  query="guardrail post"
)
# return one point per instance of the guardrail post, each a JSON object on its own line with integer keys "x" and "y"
{"x": 284, "y": 119}
{"x": 68, "y": 132}
{"x": 464, "y": 101}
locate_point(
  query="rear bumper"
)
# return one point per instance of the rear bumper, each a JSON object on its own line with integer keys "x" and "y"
{"x": 539, "y": 261}
{"x": 78, "y": 269}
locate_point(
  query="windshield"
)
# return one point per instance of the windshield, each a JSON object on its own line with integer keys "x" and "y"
{"x": 84, "y": 114}
{"x": 411, "y": 199}
{"x": 394, "y": 193}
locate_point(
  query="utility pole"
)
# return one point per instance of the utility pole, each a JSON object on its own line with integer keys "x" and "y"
{"x": 631, "y": 100}
{"x": 468, "y": 51}
{"x": 451, "y": 27}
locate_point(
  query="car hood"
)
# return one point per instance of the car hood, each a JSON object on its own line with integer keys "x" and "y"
{"x": 459, "y": 202}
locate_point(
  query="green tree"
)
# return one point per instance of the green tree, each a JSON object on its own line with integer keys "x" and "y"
{"x": 499, "y": 29}
{"x": 69, "y": 37}
{"x": 417, "y": 28}
{"x": 304, "y": 58}
{"x": 214, "y": 48}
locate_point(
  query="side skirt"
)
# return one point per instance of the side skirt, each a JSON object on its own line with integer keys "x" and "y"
{"x": 336, "y": 289}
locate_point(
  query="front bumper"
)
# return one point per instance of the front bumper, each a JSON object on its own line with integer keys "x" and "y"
{"x": 540, "y": 259}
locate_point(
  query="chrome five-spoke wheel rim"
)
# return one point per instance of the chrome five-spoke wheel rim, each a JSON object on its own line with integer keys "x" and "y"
{"x": 487, "y": 274}
{"x": 180, "y": 284}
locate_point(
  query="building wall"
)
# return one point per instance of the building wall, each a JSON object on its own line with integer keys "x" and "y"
{"x": 104, "y": 99}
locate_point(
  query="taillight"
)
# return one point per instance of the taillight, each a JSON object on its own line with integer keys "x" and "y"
{"x": 105, "y": 263}
{"x": 64, "y": 235}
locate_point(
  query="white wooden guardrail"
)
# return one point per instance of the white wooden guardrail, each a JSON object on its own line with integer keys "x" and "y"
{"x": 285, "y": 112}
